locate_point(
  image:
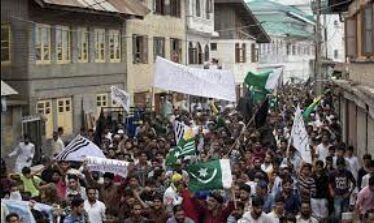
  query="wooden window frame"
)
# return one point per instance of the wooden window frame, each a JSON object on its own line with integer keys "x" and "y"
{"x": 175, "y": 8}
{"x": 99, "y": 99}
{"x": 158, "y": 42}
{"x": 206, "y": 53}
{"x": 159, "y": 7}
{"x": 142, "y": 51}
{"x": 9, "y": 44}
{"x": 254, "y": 53}
{"x": 100, "y": 47}
{"x": 65, "y": 44}
{"x": 198, "y": 8}
{"x": 40, "y": 28}
{"x": 240, "y": 53}
{"x": 199, "y": 54}
{"x": 354, "y": 37}
{"x": 176, "y": 54}
{"x": 83, "y": 50}
{"x": 364, "y": 30}
{"x": 115, "y": 47}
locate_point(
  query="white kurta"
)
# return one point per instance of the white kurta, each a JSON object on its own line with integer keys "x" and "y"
{"x": 25, "y": 155}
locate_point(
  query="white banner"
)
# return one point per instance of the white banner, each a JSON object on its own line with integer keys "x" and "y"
{"x": 121, "y": 97}
{"x": 219, "y": 84}
{"x": 299, "y": 136}
{"x": 117, "y": 167}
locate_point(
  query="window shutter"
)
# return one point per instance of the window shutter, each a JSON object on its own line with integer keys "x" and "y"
{"x": 367, "y": 34}
{"x": 350, "y": 37}
{"x": 253, "y": 53}
{"x": 133, "y": 48}
{"x": 237, "y": 53}
{"x": 244, "y": 52}
{"x": 145, "y": 49}
{"x": 167, "y": 6}
{"x": 154, "y": 48}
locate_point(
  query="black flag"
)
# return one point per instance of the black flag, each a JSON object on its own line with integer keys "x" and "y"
{"x": 100, "y": 126}
{"x": 262, "y": 113}
{"x": 245, "y": 107}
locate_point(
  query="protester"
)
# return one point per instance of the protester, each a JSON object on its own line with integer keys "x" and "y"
{"x": 25, "y": 154}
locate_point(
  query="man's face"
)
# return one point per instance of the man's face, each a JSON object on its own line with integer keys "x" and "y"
{"x": 257, "y": 163}
{"x": 73, "y": 184}
{"x": 256, "y": 212}
{"x": 305, "y": 210}
{"x": 157, "y": 204}
{"x": 55, "y": 136}
{"x": 179, "y": 216}
{"x": 110, "y": 218}
{"x": 79, "y": 210}
{"x": 212, "y": 204}
{"x": 13, "y": 220}
{"x": 107, "y": 181}
{"x": 91, "y": 194}
{"x": 136, "y": 210}
{"x": 55, "y": 177}
{"x": 305, "y": 172}
{"x": 244, "y": 195}
{"x": 279, "y": 208}
{"x": 287, "y": 187}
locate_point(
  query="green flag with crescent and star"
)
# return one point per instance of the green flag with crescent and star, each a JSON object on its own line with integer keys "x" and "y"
{"x": 210, "y": 175}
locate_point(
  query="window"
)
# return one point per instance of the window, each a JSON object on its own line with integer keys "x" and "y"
{"x": 101, "y": 100}
{"x": 367, "y": 34}
{"x": 351, "y": 37}
{"x": 83, "y": 45}
{"x": 158, "y": 47}
{"x": 140, "y": 49}
{"x": 208, "y": 8}
{"x": 100, "y": 45}
{"x": 199, "y": 54}
{"x": 176, "y": 50}
{"x": 288, "y": 49}
{"x": 240, "y": 53}
{"x": 114, "y": 46}
{"x": 206, "y": 53}
{"x": 213, "y": 46}
{"x": 159, "y": 7}
{"x": 294, "y": 50}
{"x": 63, "y": 44}
{"x": 5, "y": 44}
{"x": 254, "y": 53}
{"x": 336, "y": 54}
{"x": 42, "y": 44}
{"x": 197, "y": 8}
{"x": 175, "y": 8}
{"x": 192, "y": 54}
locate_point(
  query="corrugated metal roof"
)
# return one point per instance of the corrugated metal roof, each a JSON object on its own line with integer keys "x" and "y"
{"x": 7, "y": 90}
{"x": 124, "y": 7}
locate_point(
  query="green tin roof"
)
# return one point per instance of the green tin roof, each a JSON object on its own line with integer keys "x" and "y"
{"x": 277, "y": 19}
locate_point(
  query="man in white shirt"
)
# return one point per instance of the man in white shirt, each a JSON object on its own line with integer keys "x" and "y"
{"x": 256, "y": 215}
{"x": 25, "y": 152}
{"x": 57, "y": 144}
{"x": 354, "y": 164}
{"x": 278, "y": 210}
{"x": 94, "y": 208}
{"x": 323, "y": 148}
{"x": 305, "y": 214}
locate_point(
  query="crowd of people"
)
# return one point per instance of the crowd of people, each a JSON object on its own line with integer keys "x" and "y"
{"x": 271, "y": 182}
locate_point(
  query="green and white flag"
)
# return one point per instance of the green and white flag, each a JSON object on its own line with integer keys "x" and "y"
{"x": 185, "y": 147}
{"x": 211, "y": 175}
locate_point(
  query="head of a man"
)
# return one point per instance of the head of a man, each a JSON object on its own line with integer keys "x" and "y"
{"x": 111, "y": 216}
{"x": 136, "y": 210}
{"x": 305, "y": 210}
{"x": 340, "y": 163}
{"x": 55, "y": 136}
{"x": 261, "y": 188}
{"x": 12, "y": 218}
{"x": 244, "y": 192}
{"x": 77, "y": 206}
{"x": 287, "y": 185}
{"x": 214, "y": 201}
{"x": 73, "y": 182}
{"x": 91, "y": 194}
{"x": 306, "y": 170}
{"x": 108, "y": 179}
{"x": 279, "y": 205}
{"x": 257, "y": 205}
{"x": 179, "y": 213}
{"x": 26, "y": 171}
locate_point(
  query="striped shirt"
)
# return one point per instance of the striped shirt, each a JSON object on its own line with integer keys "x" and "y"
{"x": 307, "y": 188}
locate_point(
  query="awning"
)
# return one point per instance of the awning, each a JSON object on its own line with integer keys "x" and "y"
{"x": 7, "y": 90}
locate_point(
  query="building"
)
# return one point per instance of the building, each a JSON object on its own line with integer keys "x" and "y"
{"x": 62, "y": 57}
{"x": 292, "y": 32}
{"x": 239, "y": 32}
{"x": 200, "y": 30}
{"x": 161, "y": 33}
{"x": 355, "y": 89}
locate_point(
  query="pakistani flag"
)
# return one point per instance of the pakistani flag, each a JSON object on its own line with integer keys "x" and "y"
{"x": 311, "y": 108}
{"x": 211, "y": 175}
{"x": 185, "y": 147}
{"x": 263, "y": 83}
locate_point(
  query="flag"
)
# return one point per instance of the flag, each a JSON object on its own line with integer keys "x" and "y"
{"x": 117, "y": 167}
{"x": 261, "y": 115}
{"x": 99, "y": 129}
{"x": 22, "y": 208}
{"x": 78, "y": 149}
{"x": 211, "y": 175}
{"x": 311, "y": 108}
{"x": 185, "y": 147}
{"x": 299, "y": 137}
{"x": 121, "y": 97}
{"x": 179, "y": 128}
{"x": 245, "y": 106}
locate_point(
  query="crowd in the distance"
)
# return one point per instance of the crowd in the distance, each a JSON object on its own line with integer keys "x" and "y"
{"x": 271, "y": 182}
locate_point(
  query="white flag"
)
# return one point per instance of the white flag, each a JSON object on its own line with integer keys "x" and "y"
{"x": 299, "y": 136}
{"x": 78, "y": 149}
{"x": 121, "y": 97}
{"x": 117, "y": 167}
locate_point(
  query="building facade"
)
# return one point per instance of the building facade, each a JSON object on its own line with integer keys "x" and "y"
{"x": 63, "y": 58}
{"x": 236, "y": 47}
{"x": 291, "y": 31}
{"x": 161, "y": 33}
{"x": 200, "y": 30}
{"x": 356, "y": 88}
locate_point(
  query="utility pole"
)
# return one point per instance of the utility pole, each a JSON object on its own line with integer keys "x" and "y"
{"x": 318, "y": 53}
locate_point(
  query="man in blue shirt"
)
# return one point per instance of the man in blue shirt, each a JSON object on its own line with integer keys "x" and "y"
{"x": 291, "y": 198}
{"x": 77, "y": 214}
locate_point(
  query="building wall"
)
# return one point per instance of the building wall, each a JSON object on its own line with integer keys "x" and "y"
{"x": 334, "y": 37}
{"x": 11, "y": 129}
{"x": 140, "y": 76}
{"x": 362, "y": 73}
{"x": 225, "y": 53}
